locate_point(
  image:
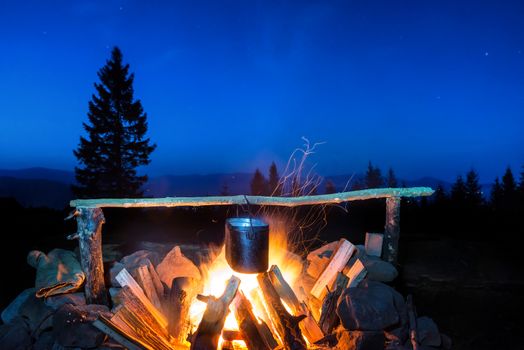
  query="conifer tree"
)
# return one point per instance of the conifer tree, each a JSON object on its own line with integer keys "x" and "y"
{"x": 473, "y": 191}
{"x": 521, "y": 186}
{"x": 330, "y": 187}
{"x": 496, "y": 194}
{"x": 391, "y": 179}
{"x": 275, "y": 187}
{"x": 373, "y": 177}
{"x": 441, "y": 196}
{"x": 258, "y": 184}
{"x": 458, "y": 192}
{"x": 509, "y": 189}
{"x": 116, "y": 142}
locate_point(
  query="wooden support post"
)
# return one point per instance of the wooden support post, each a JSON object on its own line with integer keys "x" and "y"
{"x": 89, "y": 223}
{"x": 392, "y": 230}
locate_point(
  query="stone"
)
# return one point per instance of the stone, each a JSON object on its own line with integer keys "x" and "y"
{"x": 36, "y": 313}
{"x": 44, "y": 341}
{"x": 15, "y": 335}
{"x": 175, "y": 264}
{"x": 12, "y": 310}
{"x": 380, "y": 270}
{"x": 447, "y": 343}
{"x": 372, "y": 306}
{"x": 56, "y": 301}
{"x": 427, "y": 332}
{"x": 360, "y": 340}
{"x": 72, "y": 325}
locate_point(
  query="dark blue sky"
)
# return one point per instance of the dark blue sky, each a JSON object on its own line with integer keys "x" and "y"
{"x": 427, "y": 87}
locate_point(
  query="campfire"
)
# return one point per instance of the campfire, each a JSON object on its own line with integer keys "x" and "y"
{"x": 258, "y": 291}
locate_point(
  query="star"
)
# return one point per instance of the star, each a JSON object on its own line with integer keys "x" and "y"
{"x": 486, "y": 53}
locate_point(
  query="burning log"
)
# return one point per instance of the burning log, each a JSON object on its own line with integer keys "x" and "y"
{"x": 208, "y": 332}
{"x": 179, "y": 300}
{"x": 338, "y": 260}
{"x": 285, "y": 323}
{"x": 250, "y": 330}
{"x": 329, "y": 318}
{"x": 125, "y": 279}
{"x": 309, "y": 326}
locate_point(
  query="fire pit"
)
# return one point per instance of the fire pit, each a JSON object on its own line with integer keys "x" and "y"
{"x": 255, "y": 292}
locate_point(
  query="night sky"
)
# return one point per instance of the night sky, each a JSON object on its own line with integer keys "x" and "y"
{"x": 427, "y": 87}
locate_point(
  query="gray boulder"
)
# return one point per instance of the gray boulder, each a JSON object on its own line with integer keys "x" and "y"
{"x": 56, "y": 301}
{"x": 12, "y": 310}
{"x": 427, "y": 332}
{"x": 372, "y": 306}
{"x": 15, "y": 335}
{"x": 378, "y": 269}
{"x": 72, "y": 325}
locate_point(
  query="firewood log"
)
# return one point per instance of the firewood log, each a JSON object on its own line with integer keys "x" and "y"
{"x": 309, "y": 326}
{"x": 120, "y": 336}
{"x": 144, "y": 279}
{"x": 329, "y": 318}
{"x": 412, "y": 322}
{"x": 181, "y": 295}
{"x": 208, "y": 332}
{"x": 254, "y": 338}
{"x": 286, "y": 324}
{"x": 125, "y": 279}
{"x": 338, "y": 260}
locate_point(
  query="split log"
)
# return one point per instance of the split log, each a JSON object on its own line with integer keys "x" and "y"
{"x": 373, "y": 244}
{"x": 267, "y": 324}
{"x": 309, "y": 326}
{"x": 136, "y": 325}
{"x": 338, "y": 260}
{"x": 329, "y": 318}
{"x": 144, "y": 279}
{"x": 254, "y": 337}
{"x": 286, "y": 324}
{"x": 356, "y": 273}
{"x": 132, "y": 303}
{"x": 181, "y": 295}
{"x": 412, "y": 322}
{"x": 89, "y": 234}
{"x": 125, "y": 279}
{"x": 117, "y": 334}
{"x": 392, "y": 230}
{"x": 208, "y": 332}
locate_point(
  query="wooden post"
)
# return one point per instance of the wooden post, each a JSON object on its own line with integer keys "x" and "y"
{"x": 392, "y": 230}
{"x": 89, "y": 226}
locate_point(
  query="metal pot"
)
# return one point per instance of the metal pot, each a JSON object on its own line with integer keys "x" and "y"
{"x": 247, "y": 245}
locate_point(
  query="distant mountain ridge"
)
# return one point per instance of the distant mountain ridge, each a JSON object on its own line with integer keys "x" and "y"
{"x": 51, "y": 187}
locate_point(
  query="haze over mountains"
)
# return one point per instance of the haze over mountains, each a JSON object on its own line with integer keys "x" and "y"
{"x": 38, "y": 187}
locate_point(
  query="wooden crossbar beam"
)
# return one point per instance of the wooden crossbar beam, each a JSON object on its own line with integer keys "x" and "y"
{"x": 334, "y": 198}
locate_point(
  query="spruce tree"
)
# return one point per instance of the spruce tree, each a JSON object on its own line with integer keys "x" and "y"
{"x": 473, "y": 191}
{"x": 116, "y": 142}
{"x": 258, "y": 184}
{"x": 441, "y": 196}
{"x": 458, "y": 192}
{"x": 496, "y": 194}
{"x": 509, "y": 189}
{"x": 391, "y": 179}
{"x": 275, "y": 187}
{"x": 521, "y": 186}
{"x": 373, "y": 177}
